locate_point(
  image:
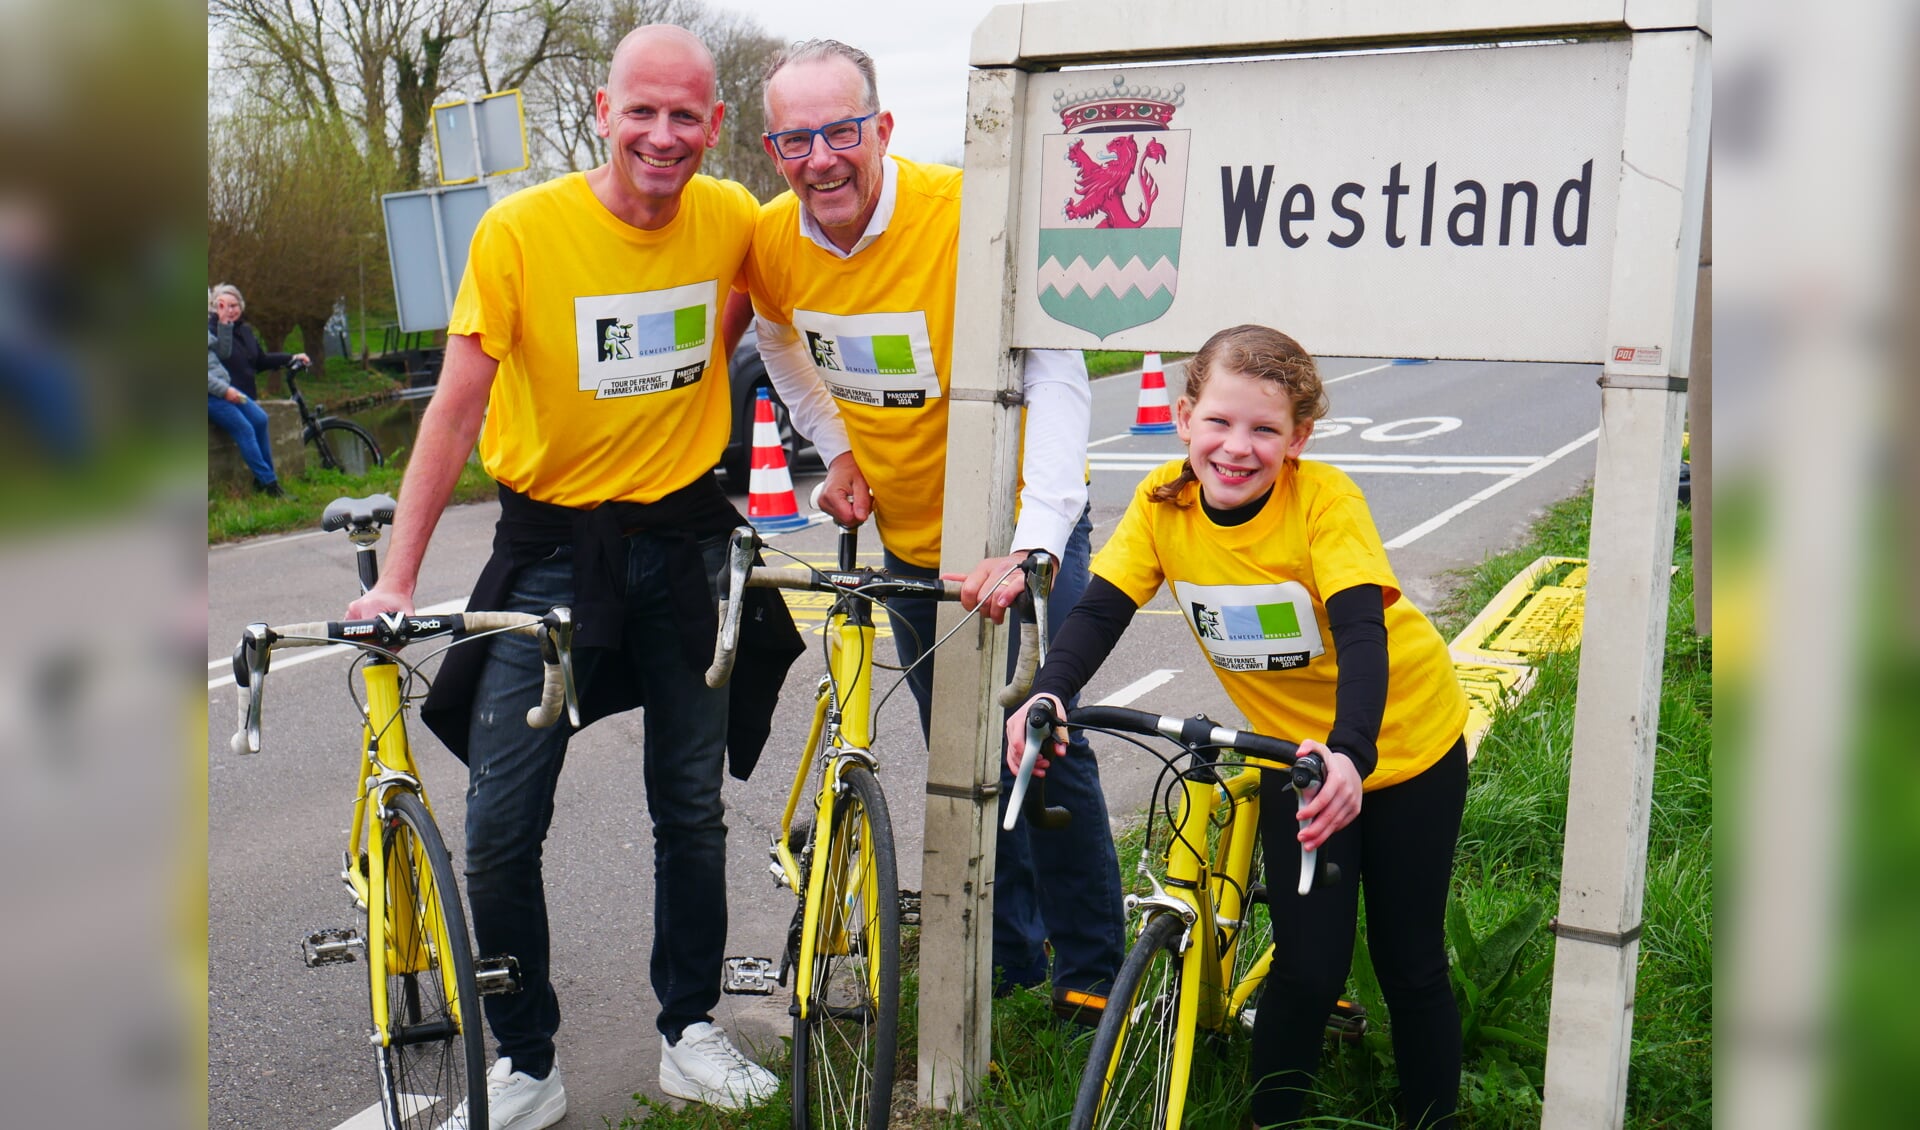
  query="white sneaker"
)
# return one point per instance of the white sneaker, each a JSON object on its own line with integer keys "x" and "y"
{"x": 705, "y": 1067}
{"x": 516, "y": 1100}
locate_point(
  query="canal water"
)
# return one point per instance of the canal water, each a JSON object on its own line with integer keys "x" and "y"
{"x": 394, "y": 422}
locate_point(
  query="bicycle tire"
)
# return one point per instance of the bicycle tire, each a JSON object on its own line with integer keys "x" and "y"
{"x": 844, "y": 1049}
{"x": 1128, "y": 1080}
{"x": 346, "y": 446}
{"x": 436, "y": 1058}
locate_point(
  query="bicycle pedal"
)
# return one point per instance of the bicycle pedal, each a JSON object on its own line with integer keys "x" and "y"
{"x": 749, "y": 976}
{"x": 909, "y": 908}
{"x": 497, "y": 974}
{"x": 330, "y": 947}
{"x": 1348, "y": 1022}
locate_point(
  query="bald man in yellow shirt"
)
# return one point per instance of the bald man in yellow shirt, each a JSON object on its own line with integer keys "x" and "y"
{"x": 585, "y": 354}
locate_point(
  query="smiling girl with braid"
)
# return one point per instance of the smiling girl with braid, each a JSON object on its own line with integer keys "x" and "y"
{"x": 1277, "y": 566}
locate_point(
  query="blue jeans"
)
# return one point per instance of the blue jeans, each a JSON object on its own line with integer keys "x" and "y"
{"x": 246, "y": 422}
{"x": 513, "y": 771}
{"x": 1060, "y": 886}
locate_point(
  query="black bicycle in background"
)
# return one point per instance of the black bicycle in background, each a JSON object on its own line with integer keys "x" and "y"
{"x": 342, "y": 444}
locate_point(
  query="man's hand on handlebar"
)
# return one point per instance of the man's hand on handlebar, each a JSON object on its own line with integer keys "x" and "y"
{"x": 845, "y": 495}
{"x": 1333, "y": 805}
{"x": 381, "y": 599}
{"x": 1017, "y": 736}
{"x": 993, "y": 585}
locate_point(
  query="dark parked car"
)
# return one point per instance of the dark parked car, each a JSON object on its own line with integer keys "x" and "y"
{"x": 748, "y": 375}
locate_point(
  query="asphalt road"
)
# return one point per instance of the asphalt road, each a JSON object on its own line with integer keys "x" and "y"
{"x": 1456, "y": 459}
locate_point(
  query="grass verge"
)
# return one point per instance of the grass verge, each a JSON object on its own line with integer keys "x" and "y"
{"x": 237, "y": 513}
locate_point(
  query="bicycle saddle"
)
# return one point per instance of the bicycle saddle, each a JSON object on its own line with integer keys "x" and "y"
{"x": 357, "y": 514}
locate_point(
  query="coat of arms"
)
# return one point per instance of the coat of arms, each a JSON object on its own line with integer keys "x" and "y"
{"x": 1110, "y": 257}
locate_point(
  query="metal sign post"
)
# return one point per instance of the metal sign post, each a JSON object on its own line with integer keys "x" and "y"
{"x": 1560, "y": 166}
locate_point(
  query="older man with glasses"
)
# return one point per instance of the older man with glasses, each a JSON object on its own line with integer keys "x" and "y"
{"x": 852, "y": 277}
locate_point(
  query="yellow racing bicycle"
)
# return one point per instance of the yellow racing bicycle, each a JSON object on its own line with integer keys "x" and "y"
{"x": 424, "y": 979}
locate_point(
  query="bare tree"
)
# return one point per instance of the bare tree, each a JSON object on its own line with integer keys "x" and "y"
{"x": 560, "y": 97}
{"x": 287, "y": 204}
{"x": 383, "y": 64}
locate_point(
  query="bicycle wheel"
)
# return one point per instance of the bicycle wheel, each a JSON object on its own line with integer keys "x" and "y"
{"x": 434, "y": 1059}
{"x": 346, "y": 446}
{"x": 843, "y": 1049}
{"x": 1128, "y": 1080}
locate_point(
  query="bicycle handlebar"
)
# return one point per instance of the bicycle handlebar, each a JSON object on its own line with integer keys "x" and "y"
{"x": 743, "y": 574}
{"x": 382, "y": 635}
{"x": 1196, "y": 733}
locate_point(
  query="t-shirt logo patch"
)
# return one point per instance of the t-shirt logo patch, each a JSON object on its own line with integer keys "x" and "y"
{"x": 1253, "y": 627}
{"x": 616, "y": 339}
{"x": 1247, "y": 622}
{"x": 879, "y": 360}
{"x": 824, "y": 350}
{"x": 645, "y": 342}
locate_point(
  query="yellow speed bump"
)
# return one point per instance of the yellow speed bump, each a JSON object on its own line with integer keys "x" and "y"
{"x": 1539, "y": 611}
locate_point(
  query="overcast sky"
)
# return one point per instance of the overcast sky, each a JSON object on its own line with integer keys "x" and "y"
{"x": 919, "y": 49}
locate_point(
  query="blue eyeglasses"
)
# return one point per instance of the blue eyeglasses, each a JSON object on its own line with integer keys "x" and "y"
{"x": 793, "y": 144}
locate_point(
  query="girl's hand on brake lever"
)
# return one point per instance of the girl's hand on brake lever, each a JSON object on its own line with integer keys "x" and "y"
{"x": 1017, "y": 736}
{"x": 1333, "y": 804}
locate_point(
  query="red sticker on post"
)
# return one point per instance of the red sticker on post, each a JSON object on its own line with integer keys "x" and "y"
{"x": 1636, "y": 354}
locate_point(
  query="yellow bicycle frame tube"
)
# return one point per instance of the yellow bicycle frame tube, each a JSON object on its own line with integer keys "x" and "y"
{"x": 1189, "y": 879}
{"x": 1232, "y": 879}
{"x": 850, "y": 664}
{"x": 783, "y": 851}
{"x": 393, "y": 922}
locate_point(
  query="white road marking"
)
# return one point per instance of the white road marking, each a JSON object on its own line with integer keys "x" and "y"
{"x": 1459, "y": 508}
{"x": 1139, "y": 686}
{"x": 1360, "y": 373}
{"x": 308, "y": 656}
{"x": 1142, "y": 461}
{"x": 370, "y": 1118}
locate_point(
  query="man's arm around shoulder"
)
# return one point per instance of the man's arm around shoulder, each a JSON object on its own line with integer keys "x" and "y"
{"x": 448, "y": 431}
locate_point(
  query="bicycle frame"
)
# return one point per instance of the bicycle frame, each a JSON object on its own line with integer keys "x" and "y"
{"x": 842, "y": 727}
{"x": 1207, "y": 887}
{"x": 386, "y": 764}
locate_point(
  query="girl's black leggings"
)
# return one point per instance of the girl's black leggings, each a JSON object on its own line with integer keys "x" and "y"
{"x": 1400, "y": 850}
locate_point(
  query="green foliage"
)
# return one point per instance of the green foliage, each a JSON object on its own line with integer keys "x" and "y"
{"x": 1106, "y": 362}
{"x": 1491, "y": 982}
{"x": 237, "y": 513}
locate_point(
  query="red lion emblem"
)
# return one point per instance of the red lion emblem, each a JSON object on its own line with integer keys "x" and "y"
{"x": 1102, "y": 184}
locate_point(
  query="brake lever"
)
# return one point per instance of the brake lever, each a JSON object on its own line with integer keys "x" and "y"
{"x": 1033, "y": 804}
{"x": 1307, "y": 772}
{"x": 741, "y": 548}
{"x": 250, "y": 661}
{"x": 557, "y": 647}
{"x": 1038, "y": 570}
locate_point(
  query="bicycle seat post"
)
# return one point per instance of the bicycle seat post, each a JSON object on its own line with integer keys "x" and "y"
{"x": 363, "y": 538}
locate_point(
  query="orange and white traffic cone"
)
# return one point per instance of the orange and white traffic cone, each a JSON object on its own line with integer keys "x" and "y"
{"x": 770, "y": 502}
{"x": 1155, "y": 415}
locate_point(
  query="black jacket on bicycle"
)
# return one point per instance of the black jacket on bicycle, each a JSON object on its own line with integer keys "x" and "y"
{"x": 239, "y": 350}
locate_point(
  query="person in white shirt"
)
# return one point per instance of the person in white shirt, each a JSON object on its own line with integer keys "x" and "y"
{"x": 852, "y": 279}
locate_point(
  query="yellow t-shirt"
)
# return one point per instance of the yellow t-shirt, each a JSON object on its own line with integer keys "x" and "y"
{"x": 611, "y": 386}
{"x": 880, "y": 328}
{"x": 1254, "y": 596}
